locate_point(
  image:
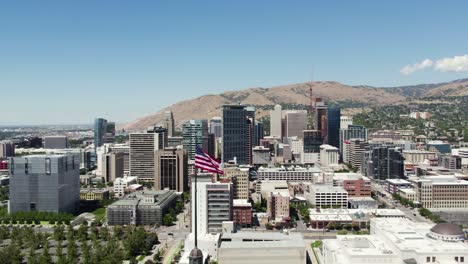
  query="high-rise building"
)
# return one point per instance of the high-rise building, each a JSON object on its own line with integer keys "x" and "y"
{"x": 321, "y": 116}
{"x": 195, "y": 132}
{"x": 104, "y": 132}
{"x": 169, "y": 123}
{"x": 235, "y": 130}
{"x": 387, "y": 163}
{"x": 259, "y": 133}
{"x": 110, "y": 133}
{"x": 275, "y": 121}
{"x": 345, "y": 121}
{"x": 357, "y": 147}
{"x": 171, "y": 169}
{"x": 211, "y": 145}
{"x": 278, "y": 205}
{"x": 160, "y": 136}
{"x": 7, "y": 149}
{"x": 216, "y": 126}
{"x": 312, "y": 141}
{"x": 100, "y": 129}
{"x": 125, "y": 150}
{"x": 333, "y": 127}
{"x": 329, "y": 155}
{"x": 350, "y": 132}
{"x": 250, "y": 115}
{"x": 55, "y": 142}
{"x": 240, "y": 181}
{"x": 142, "y": 147}
{"x": 112, "y": 166}
{"x": 296, "y": 122}
{"x": 214, "y": 204}
{"x": 46, "y": 183}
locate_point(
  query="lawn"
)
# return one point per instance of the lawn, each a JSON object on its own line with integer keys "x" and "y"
{"x": 100, "y": 213}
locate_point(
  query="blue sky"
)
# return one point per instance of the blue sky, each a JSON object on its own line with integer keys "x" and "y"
{"x": 65, "y": 62}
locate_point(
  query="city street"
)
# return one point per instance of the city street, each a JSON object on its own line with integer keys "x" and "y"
{"x": 410, "y": 213}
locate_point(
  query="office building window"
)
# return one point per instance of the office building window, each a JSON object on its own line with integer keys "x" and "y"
{"x": 47, "y": 166}
{"x": 26, "y": 165}
{"x": 12, "y": 166}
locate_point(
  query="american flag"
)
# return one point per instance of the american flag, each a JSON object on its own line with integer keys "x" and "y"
{"x": 205, "y": 161}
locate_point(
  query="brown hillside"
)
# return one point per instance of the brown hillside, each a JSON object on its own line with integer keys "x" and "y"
{"x": 209, "y": 106}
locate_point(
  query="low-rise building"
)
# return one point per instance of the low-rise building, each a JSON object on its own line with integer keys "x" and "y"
{"x": 121, "y": 184}
{"x": 393, "y": 185}
{"x": 409, "y": 194}
{"x": 141, "y": 208}
{"x": 355, "y": 184}
{"x": 399, "y": 240}
{"x": 94, "y": 194}
{"x": 278, "y": 206}
{"x": 325, "y": 196}
{"x": 292, "y": 173}
{"x": 261, "y": 248}
{"x": 442, "y": 192}
{"x": 242, "y": 213}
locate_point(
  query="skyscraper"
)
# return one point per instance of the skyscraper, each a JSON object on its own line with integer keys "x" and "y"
{"x": 104, "y": 132}
{"x": 275, "y": 121}
{"x": 49, "y": 183}
{"x": 216, "y": 126}
{"x": 259, "y": 133}
{"x": 195, "y": 132}
{"x": 142, "y": 147}
{"x": 250, "y": 132}
{"x": 214, "y": 204}
{"x": 112, "y": 166}
{"x": 235, "y": 130}
{"x": 350, "y": 132}
{"x": 100, "y": 129}
{"x": 312, "y": 141}
{"x": 169, "y": 123}
{"x": 387, "y": 163}
{"x": 7, "y": 149}
{"x": 321, "y": 117}
{"x": 333, "y": 127}
{"x": 160, "y": 136}
{"x": 171, "y": 169}
{"x": 296, "y": 122}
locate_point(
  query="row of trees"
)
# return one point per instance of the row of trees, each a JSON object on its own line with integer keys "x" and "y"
{"x": 403, "y": 200}
{"x": 36, "y": 218}
{"x": 430, "y": 215}
{"x": 171, "y": 216}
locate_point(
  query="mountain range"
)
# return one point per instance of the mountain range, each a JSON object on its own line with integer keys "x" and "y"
{"x": 208, "y": 106}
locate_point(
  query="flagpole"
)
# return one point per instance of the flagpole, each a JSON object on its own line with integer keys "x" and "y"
{"x": 195, "y": 206}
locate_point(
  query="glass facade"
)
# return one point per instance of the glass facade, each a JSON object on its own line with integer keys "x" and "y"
{"x": 333, "y": 126}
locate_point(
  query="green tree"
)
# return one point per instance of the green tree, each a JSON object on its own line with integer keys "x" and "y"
{"x": 45, "y": 257}
{"x": 168, "y": 219}
{"x": 72, "y": 252}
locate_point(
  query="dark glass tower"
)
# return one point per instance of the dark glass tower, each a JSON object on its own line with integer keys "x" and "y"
{"x": 333, "y": 126}
{"x": 235, "y": 134}
{"x": 100, "y": 129}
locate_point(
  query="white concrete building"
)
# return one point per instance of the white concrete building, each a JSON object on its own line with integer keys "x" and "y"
{"x": 399, "y": 240}
{"x": 329, "y": 155}
{"x": 328, "y": 196}
{"x": 345, "y": 121}
{"x": 292, "y": 173}
{"x": 261, "y": 248}
{"x": 275, "y": 121}
{"x": 121, "y": 184}
{"x": 214, "y": 204}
